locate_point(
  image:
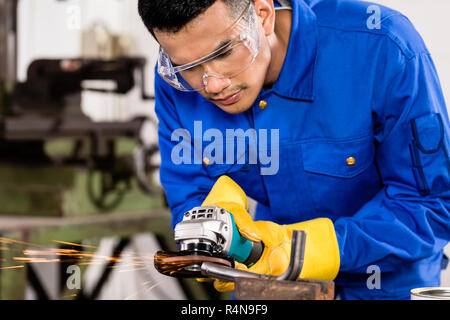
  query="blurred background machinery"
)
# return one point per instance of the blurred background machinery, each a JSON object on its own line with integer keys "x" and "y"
{"x": 78, "y": 192}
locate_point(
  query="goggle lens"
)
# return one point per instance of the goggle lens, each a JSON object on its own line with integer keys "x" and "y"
{"x": 226, "y": 62}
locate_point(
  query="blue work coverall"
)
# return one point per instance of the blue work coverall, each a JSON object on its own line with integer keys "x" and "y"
{"x": 363, "y": 139}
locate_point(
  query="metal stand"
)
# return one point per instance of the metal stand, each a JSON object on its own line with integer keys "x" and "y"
{"x": 265, "y": 289}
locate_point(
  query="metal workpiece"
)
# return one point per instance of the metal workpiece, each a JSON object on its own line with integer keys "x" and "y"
{"x": 173, "y": 264}
{"x": 297, "y": 256}
{"x": 214, "y": 270}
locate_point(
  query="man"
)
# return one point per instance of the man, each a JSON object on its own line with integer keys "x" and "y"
{"x": 345, "y": 98}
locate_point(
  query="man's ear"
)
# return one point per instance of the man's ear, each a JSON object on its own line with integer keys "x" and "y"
{"x": 266, "y": 14}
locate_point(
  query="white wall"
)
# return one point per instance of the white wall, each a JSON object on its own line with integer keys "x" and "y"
{"x": 431, "y": 20}
{"x": 52, "y": 29}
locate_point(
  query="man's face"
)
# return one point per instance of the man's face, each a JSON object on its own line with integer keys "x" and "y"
{"x": 201, "y": 37}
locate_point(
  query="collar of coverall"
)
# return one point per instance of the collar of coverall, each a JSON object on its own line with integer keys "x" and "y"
{"x": 296, "y": 77}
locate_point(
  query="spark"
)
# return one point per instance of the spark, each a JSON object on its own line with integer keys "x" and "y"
{"x": 136, "y": 269}
{"x": 51, "y": 251}
{"x": 12, "y": 267}
{"x": 72, "y": 253}
{"x": 155, "y": 285}
{"x": 90, "y": 263}
{"x": 143, "y": 290}
{"x": 35, "y": 260}
{"x": 80, "y": 256}
{"x": 11, "y": 241}
{"x": 75, "y": 244}
{"x": 128, "y": 265}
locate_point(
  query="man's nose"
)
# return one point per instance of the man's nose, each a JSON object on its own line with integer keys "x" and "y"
{"x": 214, "y": 84}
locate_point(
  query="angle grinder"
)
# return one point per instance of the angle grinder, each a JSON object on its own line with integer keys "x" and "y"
{"x": 207, "y": 234}
{"x": 208, "y": 241}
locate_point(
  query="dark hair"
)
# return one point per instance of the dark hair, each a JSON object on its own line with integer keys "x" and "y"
{"x": 173, "y": 15}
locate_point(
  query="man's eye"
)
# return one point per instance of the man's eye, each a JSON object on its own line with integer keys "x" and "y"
{"x": 224, "y": 54}
{"x": 193, "y": 69}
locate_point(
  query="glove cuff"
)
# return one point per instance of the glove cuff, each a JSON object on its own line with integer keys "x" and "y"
{"x": 322, "y": 258}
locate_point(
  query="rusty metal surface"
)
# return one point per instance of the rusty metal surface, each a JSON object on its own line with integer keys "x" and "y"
{"x": 175, "y": 265}
{"x": 302, "y": 289}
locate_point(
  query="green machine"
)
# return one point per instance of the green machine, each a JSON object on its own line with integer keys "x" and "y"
{"x": 54, "y": 160}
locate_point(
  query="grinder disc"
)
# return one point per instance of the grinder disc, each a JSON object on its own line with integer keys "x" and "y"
{"x": 175, "y": 265}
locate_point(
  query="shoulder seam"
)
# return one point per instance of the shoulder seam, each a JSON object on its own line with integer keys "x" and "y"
{"x": 405, "y": 51}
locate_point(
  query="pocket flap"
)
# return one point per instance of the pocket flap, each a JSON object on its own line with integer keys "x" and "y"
{"x": 338, "y": 158}
{"x": 238, "y": 162}
{"x": 428, "y": 132}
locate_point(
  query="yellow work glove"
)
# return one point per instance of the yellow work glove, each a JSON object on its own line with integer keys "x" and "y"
{"x": 321, "y": 260}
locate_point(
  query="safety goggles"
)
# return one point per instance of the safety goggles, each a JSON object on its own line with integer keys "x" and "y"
{"x": 228, "y": 61}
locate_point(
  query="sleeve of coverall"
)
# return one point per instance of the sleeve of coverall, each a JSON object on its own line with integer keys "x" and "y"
{"x": 409, "y": 218}
{"x": 185, "y": 184}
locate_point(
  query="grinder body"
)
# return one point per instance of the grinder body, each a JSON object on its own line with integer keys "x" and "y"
{"x": 211, "y": 230}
